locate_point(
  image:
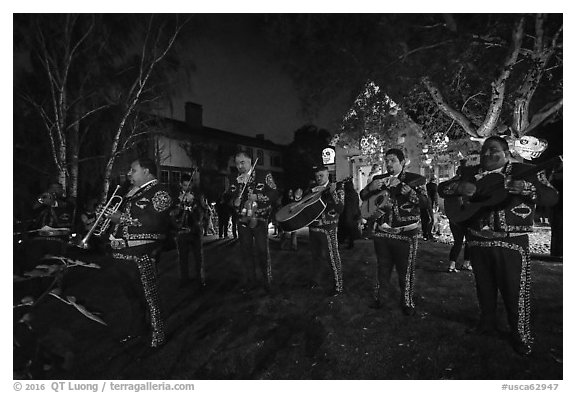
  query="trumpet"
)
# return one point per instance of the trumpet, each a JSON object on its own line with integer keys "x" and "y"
{"x": 102, "y": 223}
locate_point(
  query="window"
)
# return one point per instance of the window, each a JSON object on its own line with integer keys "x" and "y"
{"x": 175, "y": 177}
{"x": 260, "y": 155}
{"x": 164, "y": 177}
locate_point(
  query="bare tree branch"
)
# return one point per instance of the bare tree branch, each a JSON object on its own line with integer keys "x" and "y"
{"x": 499, "y": 85}
{"x": 543, "y": 114}
{"x": 448, "y": 110}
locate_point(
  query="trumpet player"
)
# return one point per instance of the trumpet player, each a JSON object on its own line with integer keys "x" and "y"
{"x": 142, "y": 223}
{"x": 189, "y": 215}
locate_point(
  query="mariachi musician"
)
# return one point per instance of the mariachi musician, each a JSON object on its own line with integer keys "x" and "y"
{"x": 253, "y": 192}
{"x": 396, "y": 226}
{"x": 142, "y": 223}
{"x": 497, "y": 235}
{"x": 53, "y": 209}
{"x": 324, "y": 230}
{"x": 189, "y": 215}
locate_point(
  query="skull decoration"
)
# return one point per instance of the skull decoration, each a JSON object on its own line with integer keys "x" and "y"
{"x": 328, "y": 155}
{"x": 529, "y": 147}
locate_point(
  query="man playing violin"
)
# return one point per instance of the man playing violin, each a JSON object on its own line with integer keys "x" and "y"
{"x": 396, "y": 226}
{"x": 253, "y": 192}
{"x": 497, "y": 236}
{"x": 189, "y": 215}
{"x": 324, "y": 230}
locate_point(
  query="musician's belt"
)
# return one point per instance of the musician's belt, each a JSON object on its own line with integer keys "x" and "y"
{"x": 118, "y": 244}
{"x": 396, "y": 230}
{"x": 488, "y": 234}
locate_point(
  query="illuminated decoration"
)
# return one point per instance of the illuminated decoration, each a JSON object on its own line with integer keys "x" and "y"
{"x": 372, "y": 144}
{"x": 328, "y": 155}
{"x": 440, "y": 141}
{"x": 529, "y": 147}
{"x": 335, "y": 139}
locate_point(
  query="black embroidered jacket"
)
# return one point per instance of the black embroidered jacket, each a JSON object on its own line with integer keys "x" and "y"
{"x": 260, "y": 183}
{"x": 334, "y": 206}
{"x": 516, "y": 213}
{"x": 405, "y": 208}
{"x": 145, "y": 215}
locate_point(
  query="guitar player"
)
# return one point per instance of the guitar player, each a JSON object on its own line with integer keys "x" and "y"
{"x": 498, "y": 237}
{"x": 324, "y": 230}
{"x": 396, "y": 227}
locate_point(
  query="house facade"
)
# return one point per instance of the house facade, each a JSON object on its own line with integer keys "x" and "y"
{"x": 184, "y": 147}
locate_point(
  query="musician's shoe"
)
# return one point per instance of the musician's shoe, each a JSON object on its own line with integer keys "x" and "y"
{"x": 466, "y": 266}
{"x": 408, "y": 311}
{"x": 452, "y": 268}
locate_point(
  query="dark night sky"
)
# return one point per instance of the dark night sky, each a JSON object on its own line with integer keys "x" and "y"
{"x": 240, "y": 85}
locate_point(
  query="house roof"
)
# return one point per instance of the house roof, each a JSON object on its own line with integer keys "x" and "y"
{"x": 182, "y": 130}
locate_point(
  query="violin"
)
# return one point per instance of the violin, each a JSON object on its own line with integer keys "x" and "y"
{"x": 248, "y": 213}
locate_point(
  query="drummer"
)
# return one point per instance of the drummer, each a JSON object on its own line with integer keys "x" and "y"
{"x": 323, "y": 231}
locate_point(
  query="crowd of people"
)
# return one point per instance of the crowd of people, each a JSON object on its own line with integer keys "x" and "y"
{"x": 496, "y": 240}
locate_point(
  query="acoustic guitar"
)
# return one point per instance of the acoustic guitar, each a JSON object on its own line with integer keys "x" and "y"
{"x": 372, "y": 207}
{"x": 490, "y": 191}
{"x": 300, "y": 214}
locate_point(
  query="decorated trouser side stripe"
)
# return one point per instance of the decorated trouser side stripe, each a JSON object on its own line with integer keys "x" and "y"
{"x": 268, "y": 265}
{"x": 149, "y": 280}
{"x": 331, "y": 236}
{"x": 514, "y": 255}
{"x": 395, "y": 244}
{"x": 409, "y": 280}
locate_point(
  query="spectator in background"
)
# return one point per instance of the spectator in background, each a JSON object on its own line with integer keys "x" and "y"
{"x": 427, "y": 213}
{"x": 223, "y": 211}
{"x": 349, "y": 222}
{"x": 208, "y": 224}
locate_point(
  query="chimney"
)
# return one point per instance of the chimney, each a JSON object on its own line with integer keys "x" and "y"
{"x": 193, "y": 113}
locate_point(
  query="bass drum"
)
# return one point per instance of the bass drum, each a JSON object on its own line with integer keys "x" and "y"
{"x": 300, "y": 214}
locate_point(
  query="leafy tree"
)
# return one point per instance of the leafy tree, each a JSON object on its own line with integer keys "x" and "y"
{"x": 303, "y": 154}
{"x": 465, "y": 74}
